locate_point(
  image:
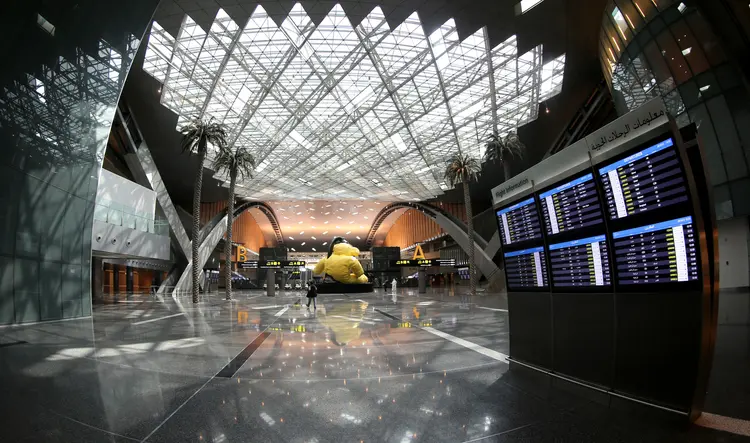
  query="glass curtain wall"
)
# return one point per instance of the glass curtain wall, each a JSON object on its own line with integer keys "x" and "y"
{"x": 668, "y": 49}
{"x": 63, "y": 69}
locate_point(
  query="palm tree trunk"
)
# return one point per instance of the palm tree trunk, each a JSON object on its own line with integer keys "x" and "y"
{"x": 228, "y": 243}
{"x": 470, "y": 226}
{"x": 506, "y": 170}
{"x": 196, "y": 268}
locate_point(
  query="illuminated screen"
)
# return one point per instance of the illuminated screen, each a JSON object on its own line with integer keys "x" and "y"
{"x": 657, "y": 253}
{"x": 526, "y": 269}
{"x": 581, "y": 262}
{"x": 519, "y": 222}
{"x": 572, "y": 205}
{"x": 644, "y": 181}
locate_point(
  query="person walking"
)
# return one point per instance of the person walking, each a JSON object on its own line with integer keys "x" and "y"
{"x": 312, "y": 294}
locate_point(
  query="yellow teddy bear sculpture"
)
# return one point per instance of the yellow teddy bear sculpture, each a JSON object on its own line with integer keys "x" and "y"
{"x": 342, "y": 265}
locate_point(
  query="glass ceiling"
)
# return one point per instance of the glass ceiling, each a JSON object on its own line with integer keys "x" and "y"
{"x": 334, "y": 111}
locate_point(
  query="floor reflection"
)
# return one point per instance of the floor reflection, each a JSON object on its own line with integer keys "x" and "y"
{"x": 358, "y": 368}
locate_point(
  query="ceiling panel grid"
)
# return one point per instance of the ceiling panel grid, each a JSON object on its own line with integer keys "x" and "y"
{"x": 335, "y": 111}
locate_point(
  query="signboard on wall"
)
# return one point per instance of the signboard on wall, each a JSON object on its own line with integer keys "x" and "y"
{"x": 424, "y": 262}
{"x": 272, "y": 264}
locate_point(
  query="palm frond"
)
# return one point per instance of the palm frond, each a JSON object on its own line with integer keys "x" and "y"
{"x": 493, "y": 147}
{"x": 460, "y": 168}
{"x": 497, "y": 148}
{"x": 197, "y": 134}
{"x": 513, "y": 145}
{"x": 239, "y": 162}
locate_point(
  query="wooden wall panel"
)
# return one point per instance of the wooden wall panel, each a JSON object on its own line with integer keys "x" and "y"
{"x": 412, "y": 227}
{"x": 245, "y": 229}
{"x": 415, "y": 227}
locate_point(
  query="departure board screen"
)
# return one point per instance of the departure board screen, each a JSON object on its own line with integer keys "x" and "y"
{"x": 526, "y": 269}
{"x": 581, "y": 262}
{"x": 644, "y": 181}
{"x": 572, "y": 205}
{"x": 663, "y": 252}
{"x": 519, "y": 222}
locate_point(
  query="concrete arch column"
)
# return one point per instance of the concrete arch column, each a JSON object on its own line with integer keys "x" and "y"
{"x": 213, "y": 232}
{"x": 453, "y": 227}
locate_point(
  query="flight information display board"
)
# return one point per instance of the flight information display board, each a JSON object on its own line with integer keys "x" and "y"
{"x": 526, "y": 269}
{"x": 280, "y": 264}
{"x": 572, "y": 205}
{"x": 665, "y": 252}
{"x": 424, "y": 262}
{"x": 644, "y": 181}
{"x": 580, "y": 263}
{"x": 519, "y": 222}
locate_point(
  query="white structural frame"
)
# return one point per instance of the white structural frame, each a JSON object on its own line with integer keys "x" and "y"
{"x": 333, "y": 111}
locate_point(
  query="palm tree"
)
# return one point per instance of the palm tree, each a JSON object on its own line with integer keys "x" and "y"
{"x": 464, "y": 169}
{"x": 497, "y": 148}
{"x": 234, "y": 162}
{"x": 196, "y": 136}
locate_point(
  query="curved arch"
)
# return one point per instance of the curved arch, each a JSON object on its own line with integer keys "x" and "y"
{"x": 238, "y": 210}
{"x": 214, "y": 231}
{"x": 428, "y": 210}
{"x": 451, "y": 225}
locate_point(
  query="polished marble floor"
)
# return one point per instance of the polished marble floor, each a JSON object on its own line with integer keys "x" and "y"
{"x": 429, "y": 368}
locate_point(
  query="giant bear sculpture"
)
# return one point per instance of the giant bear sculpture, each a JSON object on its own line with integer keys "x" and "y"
{"x": 342, "y": 265}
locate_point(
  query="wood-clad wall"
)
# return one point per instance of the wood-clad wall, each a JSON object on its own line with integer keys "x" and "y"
{"x": 245, "y": 229}
{"x": 415, "y": 227}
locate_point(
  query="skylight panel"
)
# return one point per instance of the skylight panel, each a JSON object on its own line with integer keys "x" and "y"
{"x": 526, "y": 5}
{"x": 398, "y": 142}
{"x": 298, "y": 88}
{"x": 158, "y": 52}
{"x": 48, "y": 27}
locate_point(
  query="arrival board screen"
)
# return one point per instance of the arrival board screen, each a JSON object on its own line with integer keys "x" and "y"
{"x": 526, "y": 269}
{"x": 646, "y": 180}
{"x": 519, "y": 222}
{"x": 580, "y": 263}
{"x": 571, "y": 206}
{"x": 663, "y": 252}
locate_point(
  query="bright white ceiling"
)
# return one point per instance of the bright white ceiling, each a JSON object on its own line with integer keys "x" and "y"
{"x": 336, "y": 112}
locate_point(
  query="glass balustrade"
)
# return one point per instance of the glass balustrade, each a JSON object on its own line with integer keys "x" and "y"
{"x": 119, "y": 215}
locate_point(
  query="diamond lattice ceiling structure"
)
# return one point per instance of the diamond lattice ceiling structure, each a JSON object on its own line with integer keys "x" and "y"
{"x": 334, "y": 111}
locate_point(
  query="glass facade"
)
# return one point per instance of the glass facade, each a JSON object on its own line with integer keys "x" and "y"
{"x": 338, "y": 111}
{"x": 668, "y": 49}
{"x": 57, "y": 102}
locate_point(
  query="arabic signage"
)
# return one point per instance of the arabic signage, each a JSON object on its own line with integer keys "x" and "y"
{"x": 424, "y": 262}
{"x": 649, "y": 116}
{"x": 578, "y": 155}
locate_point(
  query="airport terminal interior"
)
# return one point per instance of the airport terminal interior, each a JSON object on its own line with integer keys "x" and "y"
{"x": 375, "y": 221}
